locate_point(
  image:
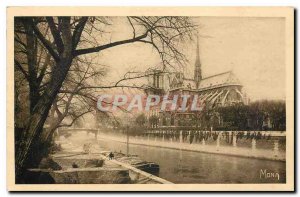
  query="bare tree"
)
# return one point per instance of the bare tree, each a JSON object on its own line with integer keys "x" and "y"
{"x": 48, "y": 46}
{"x": 73, "y": 102}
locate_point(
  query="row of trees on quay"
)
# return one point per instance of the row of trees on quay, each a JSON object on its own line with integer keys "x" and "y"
{"x": 58, "y": 76}
{"x": 258, "y": 115}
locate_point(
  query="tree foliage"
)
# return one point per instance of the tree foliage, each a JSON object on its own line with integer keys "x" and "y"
{"x": 255, "y": 116}
{"x": 141, "y": 120}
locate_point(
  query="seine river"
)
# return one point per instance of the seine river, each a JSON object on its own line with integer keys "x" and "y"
{"x": 193, "y": 167}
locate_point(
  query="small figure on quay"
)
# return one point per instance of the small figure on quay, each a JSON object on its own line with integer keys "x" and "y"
{"x": 111, "y": 156}
{"x": 74, "y": 165}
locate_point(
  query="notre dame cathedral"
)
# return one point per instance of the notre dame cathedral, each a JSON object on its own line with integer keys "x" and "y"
{"x": 221, "y": 89}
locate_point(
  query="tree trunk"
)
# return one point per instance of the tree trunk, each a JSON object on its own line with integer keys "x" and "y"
{"x": 29, "y": 152}
{"x": 33, "y": 146}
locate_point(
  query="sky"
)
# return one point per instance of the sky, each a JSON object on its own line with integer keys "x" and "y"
{"x": 253, "y": 48}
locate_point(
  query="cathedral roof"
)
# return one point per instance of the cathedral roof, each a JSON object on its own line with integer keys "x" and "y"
{"x": 189, "y": 83}
{"x": 218, "y": 80}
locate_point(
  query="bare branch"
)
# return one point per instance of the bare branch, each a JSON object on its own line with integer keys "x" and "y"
{"x": 21, "y": 69}
{"x": 46, "y": 43}
{"x": 78, "y": 31}
{"x": 106, "y": 46}
{"x": 56, "y": 34}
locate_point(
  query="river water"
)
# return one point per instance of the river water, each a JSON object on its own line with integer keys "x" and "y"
{"x": 180, "y": 166}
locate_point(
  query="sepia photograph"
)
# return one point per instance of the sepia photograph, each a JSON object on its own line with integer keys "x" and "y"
{"x": 150, "y": 99}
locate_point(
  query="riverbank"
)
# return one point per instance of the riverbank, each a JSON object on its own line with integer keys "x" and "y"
{"x": 183, "y": 167}
{"x": 111, "y": 171}
{"x": 265, "y": 154}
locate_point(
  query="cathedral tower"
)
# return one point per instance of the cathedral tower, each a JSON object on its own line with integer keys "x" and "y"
{"x": 197, "y": 71}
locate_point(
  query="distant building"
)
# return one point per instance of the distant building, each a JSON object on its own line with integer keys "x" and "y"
{"x": 221, "y": 89}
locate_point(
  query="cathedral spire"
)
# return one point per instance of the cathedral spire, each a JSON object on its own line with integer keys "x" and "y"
{"x": 197, "y": 71}
{"x": 198, "y": 53}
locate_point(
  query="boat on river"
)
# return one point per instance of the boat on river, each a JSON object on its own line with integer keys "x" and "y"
{"x": 135, "y": 161}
